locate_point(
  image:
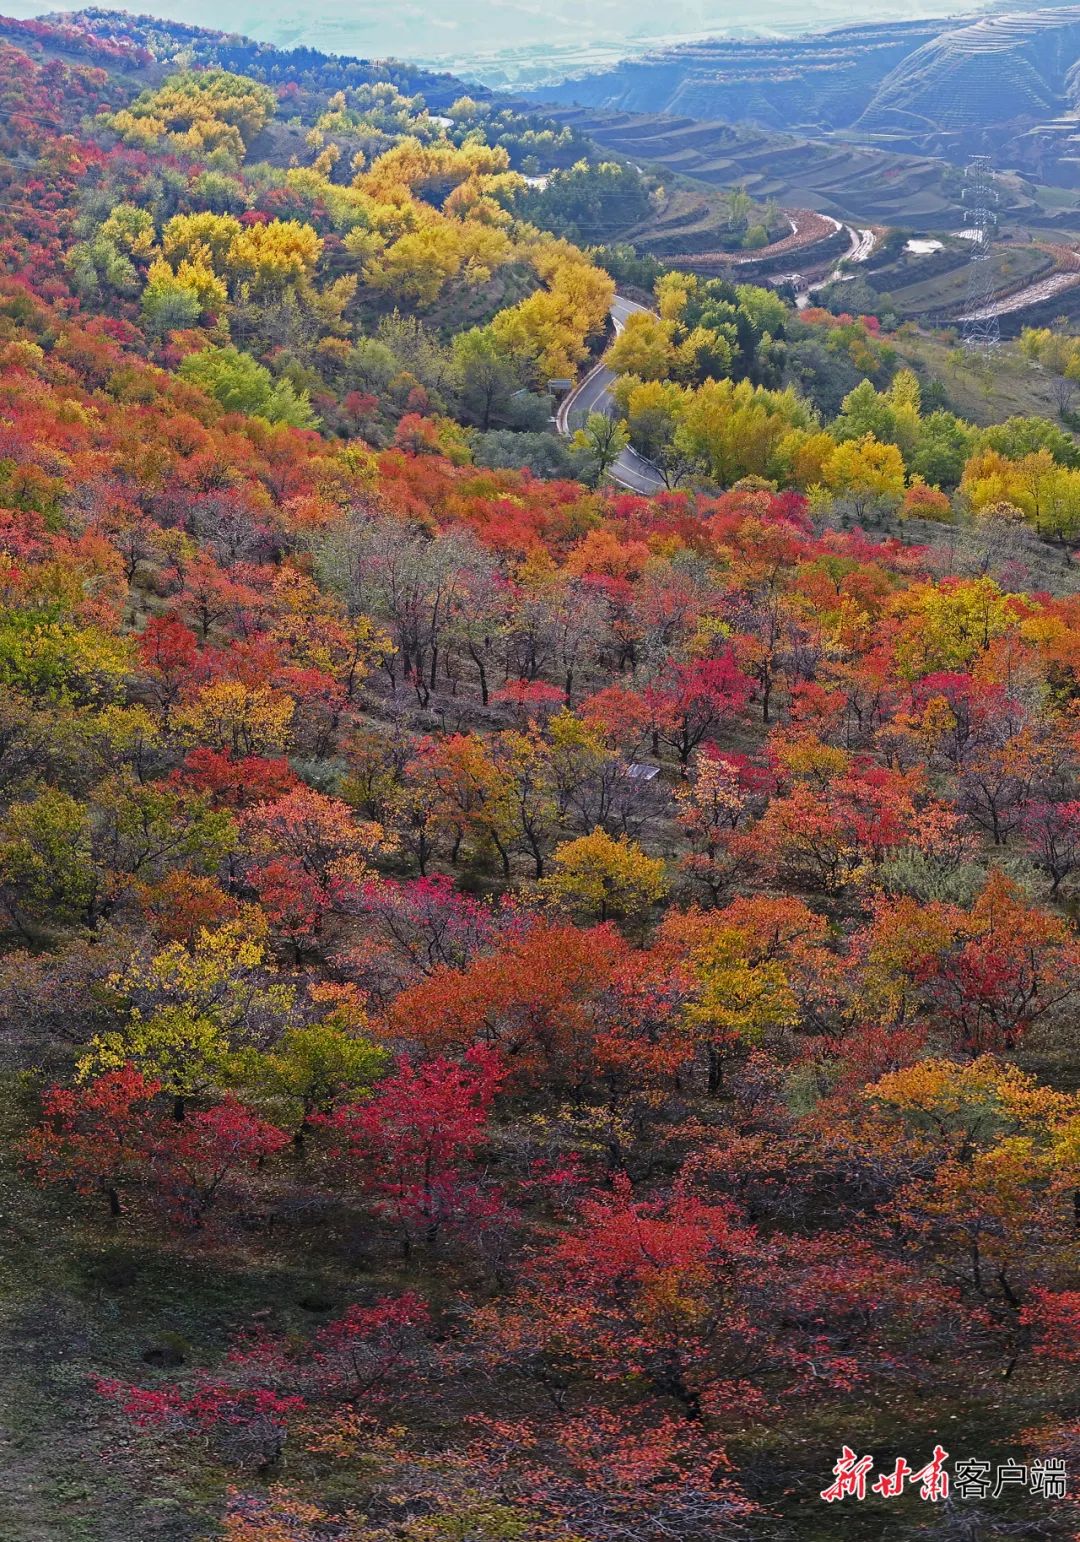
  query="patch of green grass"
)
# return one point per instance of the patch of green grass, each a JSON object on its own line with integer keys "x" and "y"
{"x": 1013, "y": 386}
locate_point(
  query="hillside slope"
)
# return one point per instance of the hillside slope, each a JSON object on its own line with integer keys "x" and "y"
{"x": 823, "y": 80}
{"x": 1005, "y": 83}
{"x": 980, "y": 77}
{"x": 844, "y": 180}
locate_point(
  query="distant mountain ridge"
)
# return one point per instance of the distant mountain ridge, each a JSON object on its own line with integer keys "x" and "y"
{"x": 932, "y": 88}
{"x": 817, "y": 79}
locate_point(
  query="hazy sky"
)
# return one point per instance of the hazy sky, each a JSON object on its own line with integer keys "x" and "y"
{"x": 496, "y": 41}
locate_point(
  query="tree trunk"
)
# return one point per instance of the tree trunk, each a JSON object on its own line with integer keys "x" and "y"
{"x": 504, "y": 854}
{"x": 716, "y": 1071}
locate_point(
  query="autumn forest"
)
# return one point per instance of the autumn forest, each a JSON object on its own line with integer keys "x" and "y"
{"x": 528, "y": 1012}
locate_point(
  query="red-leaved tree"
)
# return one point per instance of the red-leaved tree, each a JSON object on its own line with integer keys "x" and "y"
{"x": 412, "y": 1143}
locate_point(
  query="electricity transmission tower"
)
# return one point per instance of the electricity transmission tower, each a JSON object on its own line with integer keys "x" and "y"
{"x": 981, "y": 331}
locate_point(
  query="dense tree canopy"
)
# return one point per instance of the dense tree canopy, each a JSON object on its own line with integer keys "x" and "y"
{"x": 569, "y": 997}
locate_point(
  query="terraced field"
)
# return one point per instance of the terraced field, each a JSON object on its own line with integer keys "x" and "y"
{"x": 866, "y": 186}
{"x": 694, "y": 218}
{"x": 812, "y": 238}
{"x": 937, "y": 295}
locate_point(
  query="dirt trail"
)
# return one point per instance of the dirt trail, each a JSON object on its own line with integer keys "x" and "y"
{"x": 862, "y": 247}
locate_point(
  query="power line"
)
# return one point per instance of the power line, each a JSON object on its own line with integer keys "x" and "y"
{"x": 7, "y": 113}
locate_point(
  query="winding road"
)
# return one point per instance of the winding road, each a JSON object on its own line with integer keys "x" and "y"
{"x": 593, "y": 394}
{"x": 861, "y": 247}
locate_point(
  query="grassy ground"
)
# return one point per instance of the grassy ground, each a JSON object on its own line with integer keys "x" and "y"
{"x": 1011, "y": 386}
{"x": 77, "y": 1304}
{"x": 81, "y": 1299}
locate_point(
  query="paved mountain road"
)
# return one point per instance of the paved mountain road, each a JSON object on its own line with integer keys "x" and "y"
{"x": 593, "y": 394}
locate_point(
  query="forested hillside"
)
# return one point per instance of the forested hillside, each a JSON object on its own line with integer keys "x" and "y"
{"x": 528, "y": 1013}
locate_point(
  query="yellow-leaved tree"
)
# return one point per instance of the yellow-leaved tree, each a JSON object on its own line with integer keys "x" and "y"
{"x": 184, "y": 1011}
{"x": 211, "y": 113}
{"x": 598, "y": 876}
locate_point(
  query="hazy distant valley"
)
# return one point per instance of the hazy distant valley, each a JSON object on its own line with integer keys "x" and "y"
{"x": 519, "y": 42}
